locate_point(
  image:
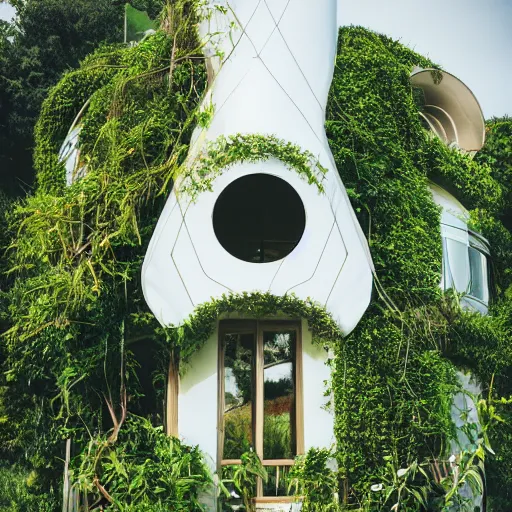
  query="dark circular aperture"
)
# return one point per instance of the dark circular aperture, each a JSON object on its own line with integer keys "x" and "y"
{"x": 259, "y": 218}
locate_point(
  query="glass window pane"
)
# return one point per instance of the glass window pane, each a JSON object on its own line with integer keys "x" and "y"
{"x": 279, "y": 395}
{"x": 479, "y": 279}
{"x": 238, "y": 390}
{"x": 457, "y": 266}
{"x": 277, "y": 483}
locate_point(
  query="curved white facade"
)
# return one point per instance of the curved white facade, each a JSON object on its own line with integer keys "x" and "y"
{"x": 451, "y": 109}
{"x": 279, "y": 60}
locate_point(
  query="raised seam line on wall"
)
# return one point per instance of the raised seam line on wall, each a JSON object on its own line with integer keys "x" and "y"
{"x": 343, "y": 264}
{"x": 290, "y": 51}
{"x": 199, "y": 260}
{"x": 317, "y": 263}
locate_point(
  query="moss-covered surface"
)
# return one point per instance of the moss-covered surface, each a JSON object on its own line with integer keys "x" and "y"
{"x": 75, "y": 305}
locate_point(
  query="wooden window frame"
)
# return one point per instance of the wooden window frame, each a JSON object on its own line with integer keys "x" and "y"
{"x": 257, "y": 327}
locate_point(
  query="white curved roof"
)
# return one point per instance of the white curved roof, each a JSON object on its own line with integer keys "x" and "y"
{"x": 453, "y": 104}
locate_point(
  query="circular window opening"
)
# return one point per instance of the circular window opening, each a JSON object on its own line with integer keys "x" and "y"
{"x": 259, "y": 218}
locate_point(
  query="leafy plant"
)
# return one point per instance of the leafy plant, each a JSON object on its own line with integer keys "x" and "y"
{"x": 244, "y": 479}
{"x": 143, "y": 469}
{"x": 224, "y": 152}
{"x": 314, "y": 481}
{"x": 21, "y": 492}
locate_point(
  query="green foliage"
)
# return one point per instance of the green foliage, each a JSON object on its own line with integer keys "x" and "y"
{"x": 394, "y": 375}
{"x": 244, "y": 477}
{"x": 76, "y": 251}
{"x": 312, "y": 478}
{"x": 392, "y": 397}
{"x": 137, "y": 23}
{"x": 443, "y": 486}
{"x": 225, "y": 152}
{"x": 60, "y": 107}
{"x": 497, "y": 153}
{"x": 47, "y": 38}
{"x": 143, "y": 469}
{"x": 189, "y": 337}
{"x": 20, "y": 492}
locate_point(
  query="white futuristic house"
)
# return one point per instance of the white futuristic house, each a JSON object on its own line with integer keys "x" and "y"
{"x": 259, "y": 225}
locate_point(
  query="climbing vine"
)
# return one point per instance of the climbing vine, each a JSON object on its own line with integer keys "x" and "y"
{"x": 82, "y": 355}
{"x": 225, "y": 152}
{"x": 395, "y": 375}
{"x": 190, "y": 336}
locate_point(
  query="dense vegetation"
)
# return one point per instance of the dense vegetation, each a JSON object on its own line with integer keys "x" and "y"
{"x": 394, "y": 378}
{"x": 47, "y": 38}
{"x": 83, "y": 359}
{"x": 70, "y": 354}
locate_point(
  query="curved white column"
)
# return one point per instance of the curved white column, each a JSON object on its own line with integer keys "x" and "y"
{"x": 278, "y": 65}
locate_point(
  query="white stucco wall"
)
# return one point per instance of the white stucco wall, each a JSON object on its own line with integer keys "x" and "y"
{"x": 273, "y": 81}
{"x": 318, "y": 420}
{"x": 197, "y": 400}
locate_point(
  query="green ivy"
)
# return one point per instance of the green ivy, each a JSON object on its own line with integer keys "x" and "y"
{"x": 224, "y": 152}
{"x": 313, "y": 477}
{"x": 144, "y": 469}
{"x": 394, "y": 376}
{"x": 76, "y": 252}
{"x": 187, "y": 338}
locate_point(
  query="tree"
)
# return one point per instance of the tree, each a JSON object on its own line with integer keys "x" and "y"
{"x": 46, "y": 38}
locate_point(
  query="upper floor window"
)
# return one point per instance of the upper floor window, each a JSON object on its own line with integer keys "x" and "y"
{"x": 260, "y": 397}
{"x": 466, "y": 269}
{"x": 465, "y": 253}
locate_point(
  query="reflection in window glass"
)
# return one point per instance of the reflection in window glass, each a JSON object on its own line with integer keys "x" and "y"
{"x": 465, "y": 268}
{"x": 479, "y": 275}
{"x": 277, "y": 483}
{"x": 279, "y": 395}
{"x": 457, "y": 268}
{"x": 238, "y": 363}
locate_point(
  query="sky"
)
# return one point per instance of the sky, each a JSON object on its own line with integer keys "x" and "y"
{"x": 6, "y": 11}
{"x": 472, "y": 39}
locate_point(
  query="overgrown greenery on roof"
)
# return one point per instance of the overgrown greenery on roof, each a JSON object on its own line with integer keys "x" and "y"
{"x": 72, "y": 367}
